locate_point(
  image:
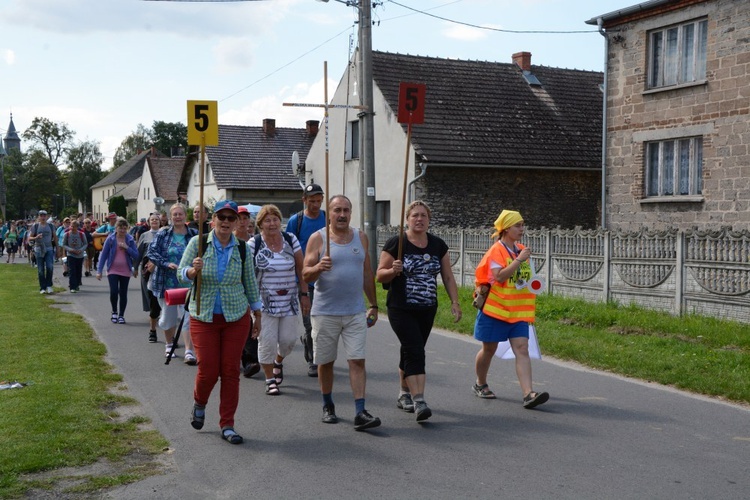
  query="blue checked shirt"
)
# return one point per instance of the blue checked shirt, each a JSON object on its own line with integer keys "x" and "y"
{"x": 158, "y": 253}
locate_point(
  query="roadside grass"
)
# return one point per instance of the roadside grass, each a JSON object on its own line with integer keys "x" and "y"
{"x": 68, "y": 414}
{"x": 693, "y": 353}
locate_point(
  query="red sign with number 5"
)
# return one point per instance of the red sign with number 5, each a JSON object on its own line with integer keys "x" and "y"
{"x": 411, "y": 102}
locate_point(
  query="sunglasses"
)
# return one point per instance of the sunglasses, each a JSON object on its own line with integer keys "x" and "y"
{"x": 230, "y": 218}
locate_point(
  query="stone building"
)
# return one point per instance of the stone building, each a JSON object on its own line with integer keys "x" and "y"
{"x": 678, "y": 100}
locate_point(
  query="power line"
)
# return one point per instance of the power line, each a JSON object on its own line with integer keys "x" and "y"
{"x": 487, "y": 27}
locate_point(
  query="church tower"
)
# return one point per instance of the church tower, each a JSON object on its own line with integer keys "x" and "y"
{"x": 11, "y": 140}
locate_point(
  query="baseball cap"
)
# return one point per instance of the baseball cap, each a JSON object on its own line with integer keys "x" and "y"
{"x": 225, "y": 205}
{"x": 112, "y": 215}
{"x": 42, "y": 212}
{"x": 243, "y": 210}
{"x": 313, "y": 189}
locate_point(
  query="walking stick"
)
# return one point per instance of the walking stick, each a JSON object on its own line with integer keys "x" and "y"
{"x": 200, "y": 224}
{"x": 403, "y": 194}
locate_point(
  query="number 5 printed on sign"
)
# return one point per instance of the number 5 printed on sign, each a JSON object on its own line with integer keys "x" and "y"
{"x": 203, "y": 130}
{"x": 410, "y": 111}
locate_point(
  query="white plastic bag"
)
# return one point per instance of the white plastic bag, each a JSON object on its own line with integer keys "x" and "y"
{"x": 504, "y": 350}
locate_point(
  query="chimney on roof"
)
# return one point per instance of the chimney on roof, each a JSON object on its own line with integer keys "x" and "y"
{"x": 522, "y": 60}
{"x": 312, "y": 127}
{"x": 153, "y": 151}
{"x": 269, "y": 126}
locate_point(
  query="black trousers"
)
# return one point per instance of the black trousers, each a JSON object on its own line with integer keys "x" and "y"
{"x": 412, "y": 327}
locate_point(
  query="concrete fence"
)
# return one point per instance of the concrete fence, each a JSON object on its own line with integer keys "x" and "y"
{"x": 680, "y": 272}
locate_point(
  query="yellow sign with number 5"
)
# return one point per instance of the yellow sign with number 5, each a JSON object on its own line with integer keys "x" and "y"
{"x": 203, "y": 120}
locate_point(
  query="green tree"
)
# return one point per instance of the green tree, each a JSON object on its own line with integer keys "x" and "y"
{"x": 51, "y": 138}
{"x": 118, "y": 205}
{"x": 169, "y": 136}
{"x": 139, "y": 140}
{"x": 84, "y": 170}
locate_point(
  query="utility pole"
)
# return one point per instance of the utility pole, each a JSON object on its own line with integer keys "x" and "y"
{"x": 366, "y": 122}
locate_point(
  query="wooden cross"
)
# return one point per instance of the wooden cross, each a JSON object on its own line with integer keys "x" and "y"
{"x": 326, "y": 106}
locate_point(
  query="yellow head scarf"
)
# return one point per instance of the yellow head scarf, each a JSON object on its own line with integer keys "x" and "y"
{"x": 506, "y": 219}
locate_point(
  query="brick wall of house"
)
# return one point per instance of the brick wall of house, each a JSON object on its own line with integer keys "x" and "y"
{"x": 473, "y": 197}
{"x": 718, "y": 110}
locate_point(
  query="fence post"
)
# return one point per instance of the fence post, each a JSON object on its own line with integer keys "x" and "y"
{"x": 548, "y": 261}
{"x": 679, "y": 267}
{"x": 606, "y": 265}
{"x": 462, "y": 249}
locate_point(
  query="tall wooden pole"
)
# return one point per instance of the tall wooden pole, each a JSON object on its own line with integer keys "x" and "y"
{"x": 403, "y": 194}
{"x": 328, "y": 193}
{"x": 202, "y": 177}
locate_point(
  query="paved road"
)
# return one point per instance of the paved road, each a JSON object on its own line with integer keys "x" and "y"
{"x": 600, "y": 436}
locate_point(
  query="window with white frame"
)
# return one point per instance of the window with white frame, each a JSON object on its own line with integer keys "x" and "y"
{"x": 674, "y": 167}
{"x": 352, "y": 140}
{"x": 677, "y": 54}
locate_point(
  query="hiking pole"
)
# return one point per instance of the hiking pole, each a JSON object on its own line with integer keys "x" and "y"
{"x": 325, "y": 120}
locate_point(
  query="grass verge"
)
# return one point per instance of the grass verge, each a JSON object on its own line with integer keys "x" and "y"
{"x": 694, "y": 353}
{"x": 69, "y": 414}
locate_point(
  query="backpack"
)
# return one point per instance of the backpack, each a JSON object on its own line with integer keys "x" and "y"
{"x": 35, "y": 228}
{"x": 300, "y": 218}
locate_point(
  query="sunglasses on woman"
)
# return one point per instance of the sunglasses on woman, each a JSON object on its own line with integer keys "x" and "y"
{"x": 230, "y": 218}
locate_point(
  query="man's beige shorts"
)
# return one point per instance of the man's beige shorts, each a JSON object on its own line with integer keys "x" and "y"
{"x": 326, "y": 331}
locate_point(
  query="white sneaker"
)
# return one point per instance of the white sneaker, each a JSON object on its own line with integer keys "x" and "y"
{"x": 50, "y": 290}
{"x": 42, "y": 291}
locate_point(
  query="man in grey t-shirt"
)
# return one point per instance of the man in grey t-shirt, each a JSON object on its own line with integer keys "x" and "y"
{"x": 338, "y": 311}
{"x": 43, "y": 236}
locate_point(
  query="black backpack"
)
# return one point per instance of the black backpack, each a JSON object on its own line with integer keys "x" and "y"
{"x": 259, "y": 243}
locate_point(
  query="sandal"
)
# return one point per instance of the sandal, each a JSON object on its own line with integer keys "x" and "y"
{"x": 114, "y": 317}
{"x": 534, "y": 399}
{"x": 198, "y": 416}
{"x": 272, "y": 388}
{"x": 278, "y": 372}
{"x": 121, "y": 320}
{"x": 483, "y": 391}
{"x": 228, "y": 434}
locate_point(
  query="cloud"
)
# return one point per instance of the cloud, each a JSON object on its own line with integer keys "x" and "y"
{"x": 271, "y": 106}
{"x": 9, "y": 57}
{"x": 464, "y": 33}
{"x": 191, "y": 19}
{"x": 233, "y": 54}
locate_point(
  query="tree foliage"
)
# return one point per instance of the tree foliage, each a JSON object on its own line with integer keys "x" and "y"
{"x": 139, "y": 140}
{"x": 118, "y": 205}
{"x": 51, "y": 138}
{"x": 84, "y": 170}
{"x": 164, "y": 136}
{"x": 169, "y": 137}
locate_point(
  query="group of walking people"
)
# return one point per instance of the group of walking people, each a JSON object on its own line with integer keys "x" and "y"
{"x": 257, "y": 291}
{"x": 258, "y": 287}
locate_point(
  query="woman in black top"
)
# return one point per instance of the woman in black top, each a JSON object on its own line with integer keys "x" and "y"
{"x": 412, "y": 300}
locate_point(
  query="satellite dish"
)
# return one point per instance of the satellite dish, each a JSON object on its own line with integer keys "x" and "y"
{"x": 297, "y": 169}
{"x": 159, "y": 200}
{"x": 295, "y": 163}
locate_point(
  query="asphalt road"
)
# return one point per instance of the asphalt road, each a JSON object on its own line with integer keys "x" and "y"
{"x": 599, "y": 436}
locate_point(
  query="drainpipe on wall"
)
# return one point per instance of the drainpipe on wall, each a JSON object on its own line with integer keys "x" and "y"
{"x": 599, "y": 23}
{"x": 415, "y": 179}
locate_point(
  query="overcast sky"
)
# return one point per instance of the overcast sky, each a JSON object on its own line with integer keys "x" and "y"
{"x": 104, "y": 66}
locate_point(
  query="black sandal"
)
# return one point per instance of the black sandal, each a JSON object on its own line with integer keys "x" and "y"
{"x": 534, "y": 399}
{"x": 196, "y": 420}
{"x": 228, "y": 434}
{"x": 278, "y": 372}
{"x": 272, "y": 389}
